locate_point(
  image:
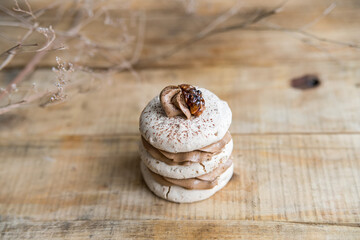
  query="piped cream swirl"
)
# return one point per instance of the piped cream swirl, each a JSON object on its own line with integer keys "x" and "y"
{"x": 173, "y": 102}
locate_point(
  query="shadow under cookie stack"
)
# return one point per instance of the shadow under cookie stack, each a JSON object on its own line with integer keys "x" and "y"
{"x": 186, "y": 146}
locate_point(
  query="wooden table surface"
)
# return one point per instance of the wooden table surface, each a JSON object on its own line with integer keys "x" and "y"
{"x": 71, "y": 170}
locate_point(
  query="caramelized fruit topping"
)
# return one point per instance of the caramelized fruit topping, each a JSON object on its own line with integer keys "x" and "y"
{"x": 193, "y": 99}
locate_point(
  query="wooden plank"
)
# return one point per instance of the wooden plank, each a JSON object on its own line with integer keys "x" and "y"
{"x": 165, "y": 229}
{"x": 296, "y": 178}
{"x": 261, "y": 100}
{"x": 163, "y": 32}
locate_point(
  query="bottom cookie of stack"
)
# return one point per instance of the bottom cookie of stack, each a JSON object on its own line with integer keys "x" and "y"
{"x": 168, "y": 189}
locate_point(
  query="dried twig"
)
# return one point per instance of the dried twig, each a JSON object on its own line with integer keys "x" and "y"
{"x": 17, "y": 8}
{"x": 257, "y": 18}
{"x": 219, "y": 20}
{"x": 14, "y": 24}
{"x": 326, "y": 12}
{"x": 16, "y": 16}
{"x": 50, "y": 36}
{"x": 11, "y": 56}
{"x": 17, "y": 46}
{"x": 302, "y": 33}
{"x": 24, "y": 72}
{"x": 248, "y": 25}
{"x": 81, "y": 20}
{"x": 26, "y": 100}
{"x": 210, "y": 29}
{"x": 322, "y": 49}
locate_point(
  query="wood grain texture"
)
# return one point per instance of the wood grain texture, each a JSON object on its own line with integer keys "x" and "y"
{"x": 160, "y": 229}
{"x": 261, "y": 100}
{"x": 298, "y": 178}
{"x": 71, "y": 170}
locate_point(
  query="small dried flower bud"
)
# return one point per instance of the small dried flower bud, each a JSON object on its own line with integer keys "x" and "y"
{"x": 14, "y": 87}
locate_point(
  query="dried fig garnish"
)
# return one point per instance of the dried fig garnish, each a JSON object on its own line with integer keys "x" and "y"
{"x": 193, "y": 98}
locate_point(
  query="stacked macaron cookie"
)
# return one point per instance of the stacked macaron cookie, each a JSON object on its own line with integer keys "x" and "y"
{"x": 186, "y": 146}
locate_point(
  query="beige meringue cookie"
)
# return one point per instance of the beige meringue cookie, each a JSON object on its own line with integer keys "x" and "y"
{"x": 184, "y": 171}
{"x": 180, "y": 194}
{"x": 178, "y": 134}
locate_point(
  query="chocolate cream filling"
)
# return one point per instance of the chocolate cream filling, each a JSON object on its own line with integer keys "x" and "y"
{"x": 173, "y": 102}
{"x": 206, "y": 181}
{"x": 186, "y": 158}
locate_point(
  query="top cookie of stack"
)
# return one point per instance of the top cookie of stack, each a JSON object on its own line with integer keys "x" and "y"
{"x": 186, "y": 145}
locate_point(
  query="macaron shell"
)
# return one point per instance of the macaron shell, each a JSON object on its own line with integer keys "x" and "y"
{"x": 180, "y": 171}
{"x": 177, "y": 134}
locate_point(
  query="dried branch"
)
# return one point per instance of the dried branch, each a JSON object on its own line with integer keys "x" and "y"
{"x": 16, "y": 16}
{"x": 260, "y": 16}
{"x": 49, "y": 34}
{"x": 324, "y": 50}
{"x": 12, "y": 55}
{"x": 13, "y": 24}
{"x": 304, "y": 34}
{"x": 17, "y": 46}
{"x": 41, "y": 11}
{"x": 219, "y": 20}
{"x": 29, "y": 11}
{"x": 24, "y": 72}
{"x": 189, "y": 5}
{"x": 248, "y": 25}
{"x": 210, "y": 29}
{"x": 80, "y": 21}
{"x": 26, "y": 100}
{"x": 326, "y": 12}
